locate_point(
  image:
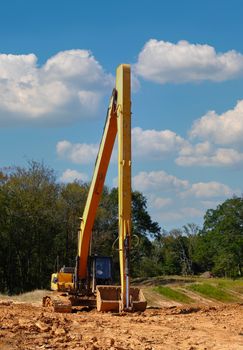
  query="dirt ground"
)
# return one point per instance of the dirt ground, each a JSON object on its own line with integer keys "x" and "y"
{"x": 25, "y": 327}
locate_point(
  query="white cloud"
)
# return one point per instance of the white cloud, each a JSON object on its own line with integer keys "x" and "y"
{"x": 164, "y": 62}
{"x": 205, "y": 154}
{"x": 179, "y": 216}
{"x": 63, "y": 147}
{"x": 79, "y": 153}
{"x": 198, "y": 149}
{"x": 223, "y": 129}
{"x": 158, "y": 180}
{"x": 159, "y": 202}
{"x": 165, "y": 202}
{"x": 208, "y": 190}
{"x": 67, "y": 87}
{"x": 209, "y": 204}
{"x": 146, "y": 143}
{"x": 155, "y": 144}
{"x": 135, "y": 84}
{"x": 174, "y": 202}
{"x": 70, "y": 175}
{"x": 78, "y": 66}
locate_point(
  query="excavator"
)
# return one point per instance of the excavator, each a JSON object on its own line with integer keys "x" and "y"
{"x": 89, "y": 282}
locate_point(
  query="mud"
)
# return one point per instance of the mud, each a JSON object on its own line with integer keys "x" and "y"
{"x": 28, "y": 327}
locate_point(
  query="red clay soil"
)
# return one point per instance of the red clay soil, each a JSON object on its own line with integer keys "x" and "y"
{"x": 29, "y": 327}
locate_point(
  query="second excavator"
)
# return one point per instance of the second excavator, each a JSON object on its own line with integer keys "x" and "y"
{"x": 88, "y": 283}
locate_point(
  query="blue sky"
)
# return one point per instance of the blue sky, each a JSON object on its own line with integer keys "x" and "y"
{"x": 57, "y": 67}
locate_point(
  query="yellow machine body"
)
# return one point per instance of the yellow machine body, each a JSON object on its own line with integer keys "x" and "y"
{"x": 62, "y": 281}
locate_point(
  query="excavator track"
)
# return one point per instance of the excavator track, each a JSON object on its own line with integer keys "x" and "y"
{"x": 58, "y": 303}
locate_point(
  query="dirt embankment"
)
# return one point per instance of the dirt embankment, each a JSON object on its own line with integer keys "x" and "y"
{"x": 28, "y": 327}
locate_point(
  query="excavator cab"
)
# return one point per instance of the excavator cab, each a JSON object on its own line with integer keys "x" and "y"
{"x": 101, "y": 270}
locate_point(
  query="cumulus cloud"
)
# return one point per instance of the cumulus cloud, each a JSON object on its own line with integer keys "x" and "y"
{"x": 205, "y": 154}
{"x": 180, "y": 214}
{"x": 209, "y": 204}
{"x": 157, "y": 181}
{"x": 135, "y": 84}
{"x": 223, "y": 129}
{"x": 70, "y": 175}
{"x": 208, "y": 190}
{"x": 67, "y": 87}
{"x": 151, "y": 144}
{"x": 198, "y": 149}
{"x": 79, "y": 153}
{"x": 159, "y": 202}
{"x": 175, "y": 202}
{"x": 215, "y": 131}
{"x": 154, "y": 143}
{"x": 164, "y": 62}
{"x": 76, "y": 65}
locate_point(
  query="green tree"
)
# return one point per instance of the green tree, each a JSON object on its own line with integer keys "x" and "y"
{"x": 40, "y": 219}
{"x": 105, "y": 232}
{"x": 143, "y": 260}
{"x": 70, "y": 206}
{"x": 3, "y": 232}
{"x": 31, "y": 225}
{"x": 174, "y": 250}
{"x": 220, "y": 243}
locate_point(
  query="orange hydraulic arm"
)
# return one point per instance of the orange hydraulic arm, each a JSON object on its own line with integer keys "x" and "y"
{"x": 118, "y": 121}
{"x": 96, "y": 187}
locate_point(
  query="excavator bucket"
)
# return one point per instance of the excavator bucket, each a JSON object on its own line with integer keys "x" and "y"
{"x": 108, "y": 298}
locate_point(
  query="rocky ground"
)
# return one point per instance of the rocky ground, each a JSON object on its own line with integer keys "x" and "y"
{"x": 25, "y": 326}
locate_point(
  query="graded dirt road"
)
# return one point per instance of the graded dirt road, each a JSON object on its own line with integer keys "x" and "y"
{"x": 28, "y": 327}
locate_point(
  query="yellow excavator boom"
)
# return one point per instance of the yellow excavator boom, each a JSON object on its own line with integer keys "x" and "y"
{"x": 118, "y": 121}
{"x": 123, "y": 83}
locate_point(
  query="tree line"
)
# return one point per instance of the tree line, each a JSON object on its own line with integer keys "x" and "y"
{"x": 40, "y": 218}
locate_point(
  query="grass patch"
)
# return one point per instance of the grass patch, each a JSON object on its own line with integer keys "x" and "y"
{"x": 29, "y": 297}
{"x": 212, "y": 292}
{"x": 173, "y": 294}
{"x": 234, "y": 285}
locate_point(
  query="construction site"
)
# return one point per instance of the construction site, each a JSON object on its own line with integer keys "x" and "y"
{"x": 121, "y": 156}
{"x": 203, "y": 325}
{"x": 86, "y": 310}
